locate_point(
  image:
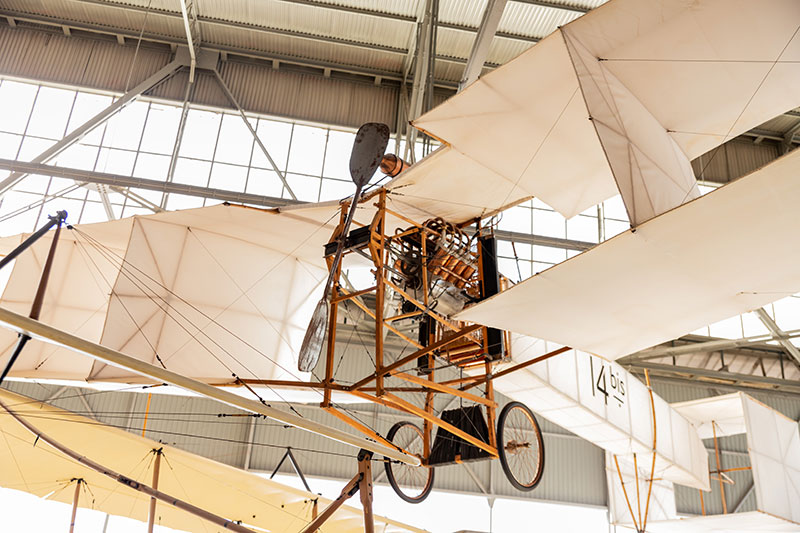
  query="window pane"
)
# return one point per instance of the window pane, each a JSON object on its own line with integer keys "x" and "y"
{"x": 307, "y": 150}
{"x": 235, "y": 141}
{"x": 125, "y": 128}
{"x": 180, "y": 201}
{"x": 87, "y": 106}
{"x": 547, "y": 254}
{"x": 33, "y": 146}
{"x": 305, "y": 188}
{"x": 582, "y": 228}
{"x": 615, "y": 227}
{"x": 614, "y": 208}
{"x": 192, "y": 171}
{"x": 200, "y": 134}
{"x": 549, "y": 223}
{"x": 23, "y": 222}
{"x": 516, "y": 219}
{"x": 161, "y": 129}
{"x": 93, "y": 210}
{"x": 51, "y": 112}
{"x": 264, "y": 182}
{"x": 336, "y": 189}
{"x": 337, "y": 155}
{"x": 116, "y": 161}
{"x": 228, "y": 177}
{"x": 77, "y": 156}
{"x": 16, "y": 102}
{"x": 9, "y": 145}
{"x": 152, "y": 167}
{"x": 275, "y": 137}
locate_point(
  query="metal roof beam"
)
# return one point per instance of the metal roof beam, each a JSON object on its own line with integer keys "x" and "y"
{"x": 553, "y": 5}
{"x": 778, "y": 333}
{"x": 483, "y": 39}
{"x": 116, "y": 180}
{"x": 541, "y": 240}
{"x": 718, "y": 378}
{"x": 707, "y": 346}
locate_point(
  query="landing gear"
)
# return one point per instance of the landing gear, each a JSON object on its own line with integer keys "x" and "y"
{"x": 520, "y": 446}
{"x": 411, "y": 483}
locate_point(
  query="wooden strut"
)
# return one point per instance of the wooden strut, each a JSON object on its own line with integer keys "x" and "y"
{"x": 426, "y": 383}
{"x": 719, "y": 467}
{"x": 625, "y": 493}
{"x": 329, "y": 352}
{"x": 151, "y": 514}
{"x": 380, "y": 292}
{"x": 75, "y": 504}
{"x": 128, "y": 482}
{"x": 653, "y": 467}
{"x": 360, "y": 427}
{"x": 419, "y": 353}
{"x": 409, "y": 407}
{"x": 146, "y": 413}
{"x": 516, "y": 367}
{"x": 362, "y": 481}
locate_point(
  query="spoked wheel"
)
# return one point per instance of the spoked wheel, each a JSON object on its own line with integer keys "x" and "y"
{"x": 520, "y": 446}
{"x": 412, "y": 483}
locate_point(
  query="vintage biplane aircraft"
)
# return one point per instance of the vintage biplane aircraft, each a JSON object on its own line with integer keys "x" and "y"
{"x": 617, "y": 102}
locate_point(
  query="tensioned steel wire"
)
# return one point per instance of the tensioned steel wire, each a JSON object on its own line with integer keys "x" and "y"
{"x": 128, "y": 268}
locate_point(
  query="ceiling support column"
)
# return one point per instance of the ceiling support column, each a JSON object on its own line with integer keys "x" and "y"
{"x": 483, "y": 41}
{"x": 425, "y": 53}
{"x": 778, "y": 334}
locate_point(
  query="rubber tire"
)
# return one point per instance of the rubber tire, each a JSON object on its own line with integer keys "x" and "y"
{"x": 502, "y": 452}
{"x": 387, "y": 465}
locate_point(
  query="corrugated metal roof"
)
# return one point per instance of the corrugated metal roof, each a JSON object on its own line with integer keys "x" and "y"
{"x": 537, "y": 21}
{"x": 372, "y": 34}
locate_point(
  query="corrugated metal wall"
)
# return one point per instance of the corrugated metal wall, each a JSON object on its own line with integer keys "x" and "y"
{"x": 103, "y": 64}
{"x": 574, "y": 468}
{"x": 733, "y": 160}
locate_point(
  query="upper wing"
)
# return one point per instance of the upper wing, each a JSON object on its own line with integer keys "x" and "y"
{"x": 705, "y": 261}
{"x": 622, "y": 98}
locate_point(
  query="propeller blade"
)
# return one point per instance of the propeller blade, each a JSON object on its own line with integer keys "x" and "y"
{"x": 368, "y": 149}
{"x": 312, "y": 345}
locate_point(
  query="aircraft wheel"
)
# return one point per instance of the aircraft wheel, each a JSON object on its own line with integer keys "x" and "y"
{"x": 411, "y": 483}
{"x": 520, "y": 446}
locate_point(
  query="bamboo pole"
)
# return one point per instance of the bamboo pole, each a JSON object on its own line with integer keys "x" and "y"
{"x": 721, "y": 485}
{"x": 625, "y": 493}
{"x": 151, "y": 515}
{"x": 75, "y": 505}
{"x": 146, "y": 413}
{"x": 48, "y": 333}
{"x": 653, "y": 466}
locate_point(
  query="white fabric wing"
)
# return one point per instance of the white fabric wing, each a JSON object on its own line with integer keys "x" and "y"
{"x": 663, "y": 280}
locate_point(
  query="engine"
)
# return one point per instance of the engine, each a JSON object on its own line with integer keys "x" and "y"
{"x": 450, "y": 264}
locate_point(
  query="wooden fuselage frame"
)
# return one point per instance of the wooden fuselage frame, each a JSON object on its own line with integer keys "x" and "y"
{"x": 372, "y": 387}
